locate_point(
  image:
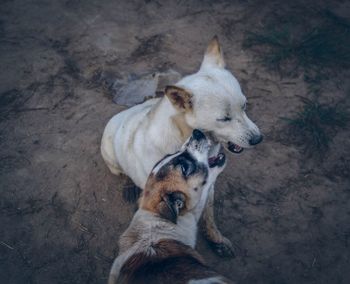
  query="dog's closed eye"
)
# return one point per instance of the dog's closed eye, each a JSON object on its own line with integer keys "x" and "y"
{"x": 224, "y": 119}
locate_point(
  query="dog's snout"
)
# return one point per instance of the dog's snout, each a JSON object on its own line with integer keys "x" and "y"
{"x": 198, "y": 135}
{"x": 255, "y": 139}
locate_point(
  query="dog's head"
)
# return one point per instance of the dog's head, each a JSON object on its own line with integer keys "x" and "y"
{"x": 180, "y": 181}
{"x": 212, "y": 100}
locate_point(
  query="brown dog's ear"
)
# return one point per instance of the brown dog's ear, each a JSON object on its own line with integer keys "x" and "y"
{"x": 213, "y": 54}
{"x": 171, "y": 205}
{"x": 179, "y": 97}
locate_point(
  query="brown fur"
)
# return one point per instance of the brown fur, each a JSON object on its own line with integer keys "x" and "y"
{"x": 170, "y": 262}
{"x": 156, "y": 190}
{"x": 168, "y": 181}
{"x": 179, "y": 98}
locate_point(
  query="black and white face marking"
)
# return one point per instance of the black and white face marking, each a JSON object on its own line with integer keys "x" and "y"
{"x": 192, "y": 157}
{"x": 190, "y": 171}
{"x": 164, "y": 161}
{"x": 196, "y": 147}
{"x": 189, "y": 166}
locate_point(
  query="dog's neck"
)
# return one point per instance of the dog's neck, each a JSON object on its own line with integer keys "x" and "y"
{"x": 168, "y": 118}
{"x": 198, "y": 210}
{"x": 148, "y": 227}
{"x": 180, "y": 122}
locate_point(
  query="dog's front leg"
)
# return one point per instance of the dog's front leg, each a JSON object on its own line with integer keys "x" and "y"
{"x": 220, "y": 244}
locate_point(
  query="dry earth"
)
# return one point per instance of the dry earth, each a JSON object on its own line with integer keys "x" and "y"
{"x": 61, "y": 211}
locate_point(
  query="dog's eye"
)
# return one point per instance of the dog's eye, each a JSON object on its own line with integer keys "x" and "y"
{"x": 244, "y": 106}
{"x": 224, "y": 119}
{"x": 179, "y": 204}
{"x": 186, "y": 169}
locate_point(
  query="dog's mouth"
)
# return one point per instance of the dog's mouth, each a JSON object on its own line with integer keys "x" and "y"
{"x": 234, "y": 148}
{"x": 217, "y": 161}
{"x": 230, "y": 146}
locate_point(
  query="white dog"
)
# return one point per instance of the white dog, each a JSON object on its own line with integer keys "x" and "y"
{"x": 158, "y": 246}
{"x": 210, "y": 100}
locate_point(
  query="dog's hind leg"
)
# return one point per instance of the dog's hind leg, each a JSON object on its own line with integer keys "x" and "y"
{"x": 131, "y": 192}
{"x": 108, "y": 158}
{"x": 114, "y": 170}
{"x": 219, "y": 243}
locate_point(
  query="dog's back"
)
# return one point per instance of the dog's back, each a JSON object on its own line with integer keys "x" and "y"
{"x": 170, "y": 262}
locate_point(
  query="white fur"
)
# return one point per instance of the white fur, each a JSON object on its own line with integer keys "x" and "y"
{"x": 135, "y": 139}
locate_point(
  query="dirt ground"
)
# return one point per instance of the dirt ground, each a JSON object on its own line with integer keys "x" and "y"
{"x": 62, "y": 211}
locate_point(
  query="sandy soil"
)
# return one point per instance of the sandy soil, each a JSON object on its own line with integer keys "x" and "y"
{"x": 62, "y": 211}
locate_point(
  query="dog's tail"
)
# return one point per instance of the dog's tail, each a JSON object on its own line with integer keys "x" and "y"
{"x": 112, "y": 279}
{"x": 113, "y": 274}
{"x": 116, "y": 267}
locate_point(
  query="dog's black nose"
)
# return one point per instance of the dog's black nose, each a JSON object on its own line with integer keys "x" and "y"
{"x": 198, "y": 135}
{"x": 256, "y": 139}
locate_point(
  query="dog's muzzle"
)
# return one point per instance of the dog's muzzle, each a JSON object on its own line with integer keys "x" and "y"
{"x": 256, "y": 139}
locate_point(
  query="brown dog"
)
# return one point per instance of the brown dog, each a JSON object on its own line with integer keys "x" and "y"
{"x": 158, "y": 246}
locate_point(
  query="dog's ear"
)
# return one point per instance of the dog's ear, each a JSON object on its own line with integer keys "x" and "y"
{"x": 171, "y": 204}
{"x": 179, "y": 97}
{"x": 213, "y": 54}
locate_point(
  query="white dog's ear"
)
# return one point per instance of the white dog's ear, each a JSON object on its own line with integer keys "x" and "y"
{"x": 213, "y": 55}
{"x": 179, "y": 97}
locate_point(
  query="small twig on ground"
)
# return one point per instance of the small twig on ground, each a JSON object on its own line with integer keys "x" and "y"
{"x": 7, "y": 245}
